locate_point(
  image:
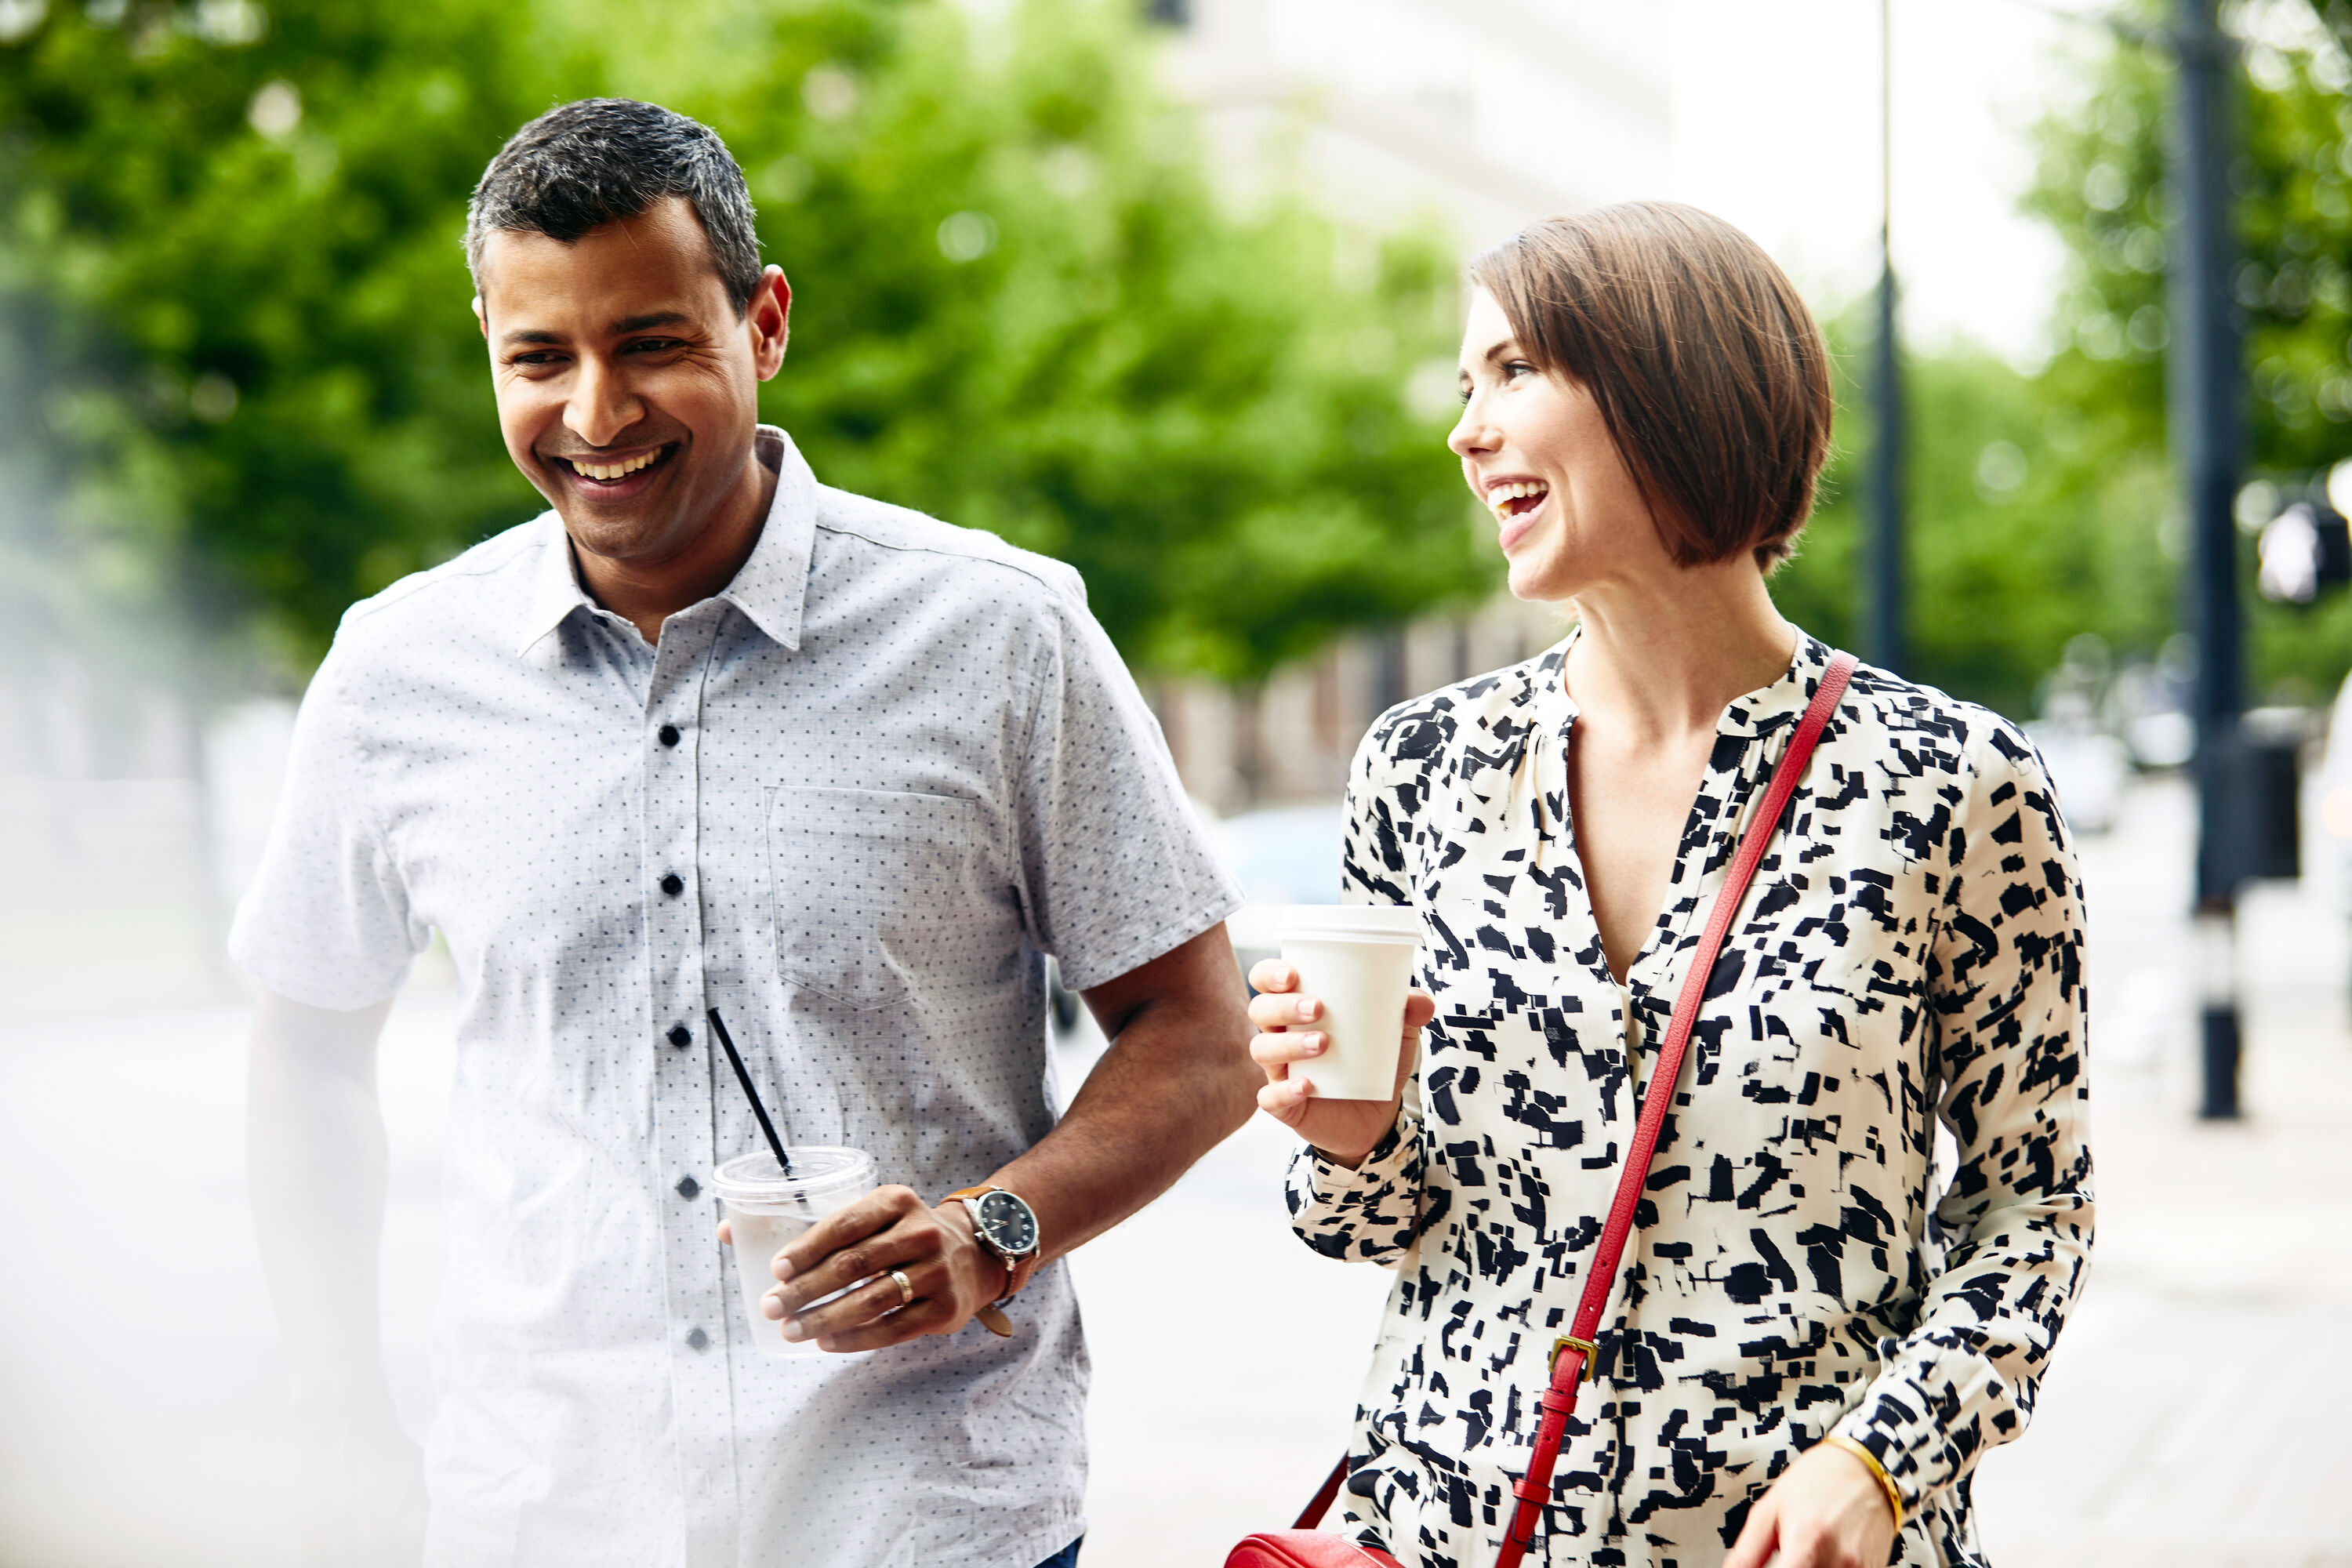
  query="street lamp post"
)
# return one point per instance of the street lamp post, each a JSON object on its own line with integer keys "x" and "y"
{"x": 2204, "y": 375}
{"x": 1883, "y": 629}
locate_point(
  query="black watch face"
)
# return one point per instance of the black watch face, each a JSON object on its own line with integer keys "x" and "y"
{"x": 1008, "y": 1222}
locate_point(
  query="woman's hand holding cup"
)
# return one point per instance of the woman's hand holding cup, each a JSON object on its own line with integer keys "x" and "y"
{"x": 1344, "y": 1129}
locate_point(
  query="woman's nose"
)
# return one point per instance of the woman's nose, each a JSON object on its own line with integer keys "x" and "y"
{"x": 1472, "y": 434}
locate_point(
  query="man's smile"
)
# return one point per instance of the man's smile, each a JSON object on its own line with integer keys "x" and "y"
{"x": 611, "y": 475}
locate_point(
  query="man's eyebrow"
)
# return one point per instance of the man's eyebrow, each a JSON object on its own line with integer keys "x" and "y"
{"x": 645, "y": 322}
{"x": 520, "y": 336}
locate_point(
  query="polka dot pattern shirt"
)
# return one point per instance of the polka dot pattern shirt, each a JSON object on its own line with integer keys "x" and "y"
{"x": 852, "y": 802}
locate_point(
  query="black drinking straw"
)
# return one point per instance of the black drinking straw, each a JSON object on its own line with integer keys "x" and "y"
{"x": 744, "y": 1076}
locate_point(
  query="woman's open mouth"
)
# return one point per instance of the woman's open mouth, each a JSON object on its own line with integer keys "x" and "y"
{"x": 1515, "y": 506}
{"x": 600, "y": 478}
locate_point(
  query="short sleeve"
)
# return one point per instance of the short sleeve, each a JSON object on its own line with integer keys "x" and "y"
{"x": 1116, "y": 869}
{"x": 327, "y": 921}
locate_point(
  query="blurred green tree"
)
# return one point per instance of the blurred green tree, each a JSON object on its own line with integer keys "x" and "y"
{"x": 2015, "y": 546}
{"x": 232, "y": 296}
{"x": 2101, "y": 186}
{"x": 229, "y": 274}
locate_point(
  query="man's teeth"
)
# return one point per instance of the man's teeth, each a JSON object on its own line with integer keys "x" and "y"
{"x": 1501, "y": 496}
{"x": 611, "y": 471}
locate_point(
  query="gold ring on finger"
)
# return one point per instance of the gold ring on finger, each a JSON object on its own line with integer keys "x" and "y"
{"x": 906, "y": 1287}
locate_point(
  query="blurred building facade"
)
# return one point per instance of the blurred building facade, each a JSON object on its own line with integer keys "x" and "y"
{"x": 1492, "y": 113}
{"x": 1485, "y": 114}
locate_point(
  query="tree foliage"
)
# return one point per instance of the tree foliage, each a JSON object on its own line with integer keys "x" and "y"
{"x": 2101, "y": 184}
{"x": 231, "y": 284}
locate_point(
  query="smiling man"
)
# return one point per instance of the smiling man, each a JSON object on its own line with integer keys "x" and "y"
{"x": 709, "y": 734}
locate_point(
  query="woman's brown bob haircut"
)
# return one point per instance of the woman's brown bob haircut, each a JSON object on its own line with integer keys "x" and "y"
{"x": 1709, "y": 370}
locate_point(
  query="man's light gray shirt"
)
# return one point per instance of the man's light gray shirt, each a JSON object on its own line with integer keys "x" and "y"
{"x": 892, "y": 765}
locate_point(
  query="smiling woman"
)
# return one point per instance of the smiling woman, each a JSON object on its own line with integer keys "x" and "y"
{"x": 1813, "y": 1339}
{"x": 1691, "y": 343}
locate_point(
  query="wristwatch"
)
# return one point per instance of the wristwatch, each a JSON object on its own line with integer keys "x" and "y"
{"x": 1007, "y": 1227}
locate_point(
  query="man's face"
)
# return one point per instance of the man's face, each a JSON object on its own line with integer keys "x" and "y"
{"x": 627, "y": 385}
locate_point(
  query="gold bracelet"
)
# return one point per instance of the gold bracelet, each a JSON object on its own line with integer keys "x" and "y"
{"x": 1877, "y": 1473}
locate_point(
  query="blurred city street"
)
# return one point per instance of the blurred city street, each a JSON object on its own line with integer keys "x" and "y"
{"x": 1175, "y": 292}
{"x": 2191, "y": 1418}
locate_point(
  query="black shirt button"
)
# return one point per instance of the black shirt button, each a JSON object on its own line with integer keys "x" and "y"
{"x": 687, "y": 1188}
{"x": 667, "y": 735}
{"x": 673, "y": 884}
{"x": 679, "y": 1035}
{"x": 699, "y": 1340}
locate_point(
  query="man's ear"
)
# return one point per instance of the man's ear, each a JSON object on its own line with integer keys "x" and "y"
{"x": 481, "y": 319}
{"x": 770, "y": 318}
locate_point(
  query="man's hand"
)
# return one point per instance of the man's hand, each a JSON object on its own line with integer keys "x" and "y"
{"x": 362, "y": 1490}
{"x": 1176, "y": 1080}
{"x": 951, "y": 1274}
{"x": 1825, "y": 1512}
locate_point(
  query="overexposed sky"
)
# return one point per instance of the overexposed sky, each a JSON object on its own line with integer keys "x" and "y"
{"x": 1776, "y": 127}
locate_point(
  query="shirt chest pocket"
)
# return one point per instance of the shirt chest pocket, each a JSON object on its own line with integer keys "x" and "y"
{"x": 876, "y": 891}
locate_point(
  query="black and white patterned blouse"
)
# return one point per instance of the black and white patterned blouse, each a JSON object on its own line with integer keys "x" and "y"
{"x": 1911, "y": 950}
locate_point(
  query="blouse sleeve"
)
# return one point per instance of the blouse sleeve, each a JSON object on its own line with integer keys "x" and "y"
{"x": 1373, "y": 1211}
{"x": 2005, "y": 994}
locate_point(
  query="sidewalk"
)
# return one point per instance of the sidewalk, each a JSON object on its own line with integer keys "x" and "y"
{"x": 2194, "y": 1412}
{"x": 2190, "y": 1419}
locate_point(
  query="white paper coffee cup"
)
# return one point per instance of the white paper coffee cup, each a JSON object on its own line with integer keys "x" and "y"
{"x": 1357, "y": 960}
{"x": 767, "y": 1211}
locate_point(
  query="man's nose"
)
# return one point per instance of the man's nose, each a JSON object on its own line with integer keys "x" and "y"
{"x": 600, "y": 405}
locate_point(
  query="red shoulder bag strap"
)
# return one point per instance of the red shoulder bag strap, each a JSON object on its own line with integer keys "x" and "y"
{"x": 1573, "y": 1352}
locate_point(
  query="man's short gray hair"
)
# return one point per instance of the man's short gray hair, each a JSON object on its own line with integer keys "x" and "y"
{"x": 584, "y": 164}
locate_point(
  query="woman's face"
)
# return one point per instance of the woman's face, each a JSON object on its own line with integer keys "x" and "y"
{"x": 1535, "y": 450}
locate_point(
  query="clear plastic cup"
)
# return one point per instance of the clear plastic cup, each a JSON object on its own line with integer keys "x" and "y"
{"x": 767, "y": 1211}
{"x": 1357, "y": 960}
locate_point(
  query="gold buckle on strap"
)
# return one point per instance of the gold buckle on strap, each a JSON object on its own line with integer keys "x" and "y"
{"x": 1592, "y": 1353}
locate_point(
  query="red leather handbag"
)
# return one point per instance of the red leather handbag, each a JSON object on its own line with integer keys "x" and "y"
{"x": 1303, "y": 1545}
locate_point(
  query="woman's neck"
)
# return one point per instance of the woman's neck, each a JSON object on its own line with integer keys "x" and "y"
{"x": 1664, "y": 658}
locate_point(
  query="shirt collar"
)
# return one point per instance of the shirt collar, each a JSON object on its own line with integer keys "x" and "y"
{"x": 770, "y": 588}
{"x": 1782, "y": 702}
{"x": 1542, "y": 695}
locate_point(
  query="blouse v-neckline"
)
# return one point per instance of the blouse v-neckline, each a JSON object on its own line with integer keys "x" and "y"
{"x": 1646, "y": 996}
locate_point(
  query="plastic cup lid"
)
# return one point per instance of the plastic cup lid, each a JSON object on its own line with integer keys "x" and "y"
{"x": 1399, "y": 924}
{"x": 816, "y": 1172}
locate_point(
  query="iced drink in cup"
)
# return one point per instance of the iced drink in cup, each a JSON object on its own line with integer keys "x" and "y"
{"x": 767, "y": 1211}
{"x": 1357, "y": 960}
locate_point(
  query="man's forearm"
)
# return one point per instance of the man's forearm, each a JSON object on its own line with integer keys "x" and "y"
{"x": 1175, "y": 1082}
{"x": 316, "y": 1162}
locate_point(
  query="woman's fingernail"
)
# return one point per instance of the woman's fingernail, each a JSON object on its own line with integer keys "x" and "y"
{"x": 1311, "y": 1044}
{"x": 1305, "y": 1009}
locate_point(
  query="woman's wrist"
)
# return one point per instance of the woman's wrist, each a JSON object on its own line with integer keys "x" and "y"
{"x": 1355, "y": 1159}
{"x": 1892, "y": 1493}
